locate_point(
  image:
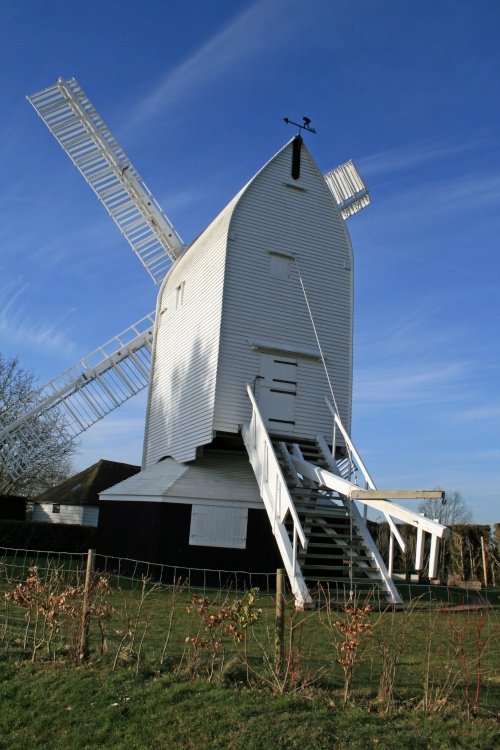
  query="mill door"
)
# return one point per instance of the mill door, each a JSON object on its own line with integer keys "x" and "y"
{"x": 277, "y": 392}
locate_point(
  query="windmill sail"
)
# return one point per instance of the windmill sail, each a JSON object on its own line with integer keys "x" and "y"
{"x": 71, "y": 118}
{"x": 348, "y": 189}
{"x": 80, "y": 396}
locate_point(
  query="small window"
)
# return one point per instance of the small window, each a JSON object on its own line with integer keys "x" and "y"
{"x": 56, "y": 508}
{"x": 279, "y": 266}
{"x": 179, "y": 295}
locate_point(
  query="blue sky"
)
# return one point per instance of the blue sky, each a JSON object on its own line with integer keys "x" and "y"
{"x": 196, "y": 93}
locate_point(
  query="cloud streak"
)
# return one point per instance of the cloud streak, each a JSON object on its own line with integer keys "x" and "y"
{"x": 410, "y": 386}
{"x": 489, "y": 411}
{"x": 20, "y": 327}
{"x": 412, "y": 155}
{"x": 242, "y": 39}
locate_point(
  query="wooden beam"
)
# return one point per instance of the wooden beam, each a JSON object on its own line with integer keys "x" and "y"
{"x": 397, "y": 494}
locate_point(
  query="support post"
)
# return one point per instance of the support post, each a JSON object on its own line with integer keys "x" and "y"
{"x": 419, "y": 553}
{"x": 485, "y": 565}
{"x": 390, "y": 566}
{"x": 83, "y": 645}
{"x": 434, "y": 556}
{"x": 280, "y": 620}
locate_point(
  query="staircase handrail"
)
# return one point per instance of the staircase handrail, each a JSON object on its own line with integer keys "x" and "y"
{"x": 285, "y": 494}
{"x": 350, "y": 445}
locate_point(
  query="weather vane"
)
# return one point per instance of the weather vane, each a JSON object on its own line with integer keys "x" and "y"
{"x": 306, "y": 125}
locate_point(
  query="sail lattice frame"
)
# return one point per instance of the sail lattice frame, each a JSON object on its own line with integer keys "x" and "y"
{"x": 93, "y": 149}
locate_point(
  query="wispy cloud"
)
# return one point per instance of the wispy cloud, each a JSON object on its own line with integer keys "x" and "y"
{"x": 412, "y": 155}
{"x": 431, "y": 203}
{"x": 19, "y": 325}
{"x": 489, "y": 411}
{"x": 245, "y": 37}
{"x": 410, "y": 385}
{"x": 411, "y": 334}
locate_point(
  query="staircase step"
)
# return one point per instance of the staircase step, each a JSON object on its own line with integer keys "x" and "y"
{"x": 331, "y": 531}
{"x": 326, "y": 569}
{"x": 319, "y": 556}
{"x": 322, "y": 545}
{"x": 314, "y": 512}
{"x": 345, "y": 537}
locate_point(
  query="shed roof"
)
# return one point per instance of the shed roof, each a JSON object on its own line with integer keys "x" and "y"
{"x": 84, "y": 488}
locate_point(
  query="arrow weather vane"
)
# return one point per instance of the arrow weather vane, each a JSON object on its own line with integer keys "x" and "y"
{"x": 306, "y": 125}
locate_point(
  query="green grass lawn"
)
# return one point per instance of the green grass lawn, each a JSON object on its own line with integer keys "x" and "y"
{"x": 59, "y": 706}
{"x": 147, "y": 684}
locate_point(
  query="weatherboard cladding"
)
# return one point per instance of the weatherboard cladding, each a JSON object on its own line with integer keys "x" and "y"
{"x": 203, "y": 357}
{"x": 180, "y": 412}
{"x": 270, "y": 217}
{"x": 78, "y": 515}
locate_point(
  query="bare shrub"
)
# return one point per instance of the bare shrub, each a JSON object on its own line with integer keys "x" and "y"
{"x": 348, "y": 635}
{"x": 51, "y": 607}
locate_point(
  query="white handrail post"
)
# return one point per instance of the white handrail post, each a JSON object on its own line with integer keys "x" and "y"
{"x": 419, "y": 552}
{"x": 390, "y": 564}
{"x": 294, "y": 557}
{"x": 277, "y": 499}
{"x": 434, "y": 556}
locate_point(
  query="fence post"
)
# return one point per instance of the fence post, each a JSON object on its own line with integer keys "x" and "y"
{"x": 83, "y": 645}
{"x": 280, "y": 619}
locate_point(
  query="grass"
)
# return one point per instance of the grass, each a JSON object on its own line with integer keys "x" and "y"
{"x": 151, "y": 688}
{"x": 59, "y": 706}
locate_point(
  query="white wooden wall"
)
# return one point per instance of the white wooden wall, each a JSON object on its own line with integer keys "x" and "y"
{"x": 184, "y": 367}
{"x": 79, "y": 515}
{"x": 265, "y": 303}
{"x": 235, "y": 295}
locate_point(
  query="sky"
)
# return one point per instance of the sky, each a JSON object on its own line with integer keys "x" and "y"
{"x": 196, "y": 93}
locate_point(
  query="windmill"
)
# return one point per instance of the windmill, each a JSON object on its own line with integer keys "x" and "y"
{"x": 247, "y": 458}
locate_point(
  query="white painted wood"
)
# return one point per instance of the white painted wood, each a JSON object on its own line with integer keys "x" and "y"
{"x": 202, "y": 356}
{"x": 90, "y": 515}
{"x": 358, "y": 521}
{"x": 215, "y": 478}
{"x": 218, "y": 526}
{"x": 80, "y": 131}
{"x": 279, "y": 266}
{"x": 276, "y": 392}
{"x": 277, "y": 499}
{"x": 304, "y": 223}
{"x": 419, "y": 552}
{"x": 434, "y": 557}
{"x": 186, "y": 346}
{"x": 349, "y": 489}
{"x": 390, "y": 564}
{"x": 73, "y": 515}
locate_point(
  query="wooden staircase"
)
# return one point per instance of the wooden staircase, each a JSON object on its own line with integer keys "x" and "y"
{"x": 336, "y": 554}
{"x": 311, "y": 501}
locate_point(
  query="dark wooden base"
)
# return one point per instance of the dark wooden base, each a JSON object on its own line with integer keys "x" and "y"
{"x": 159, "y": 533}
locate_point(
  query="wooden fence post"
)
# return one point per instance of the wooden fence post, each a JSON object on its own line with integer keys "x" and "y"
{"x": 83, "y": 645}
{"x": 280, "y": 620}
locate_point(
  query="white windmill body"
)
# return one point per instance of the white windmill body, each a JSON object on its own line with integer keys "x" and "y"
{"x": 248, "y": 461}
{"x": 232, "y": 312}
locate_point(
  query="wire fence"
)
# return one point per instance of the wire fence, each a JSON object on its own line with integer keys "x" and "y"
{"x": 443, "y": 642}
